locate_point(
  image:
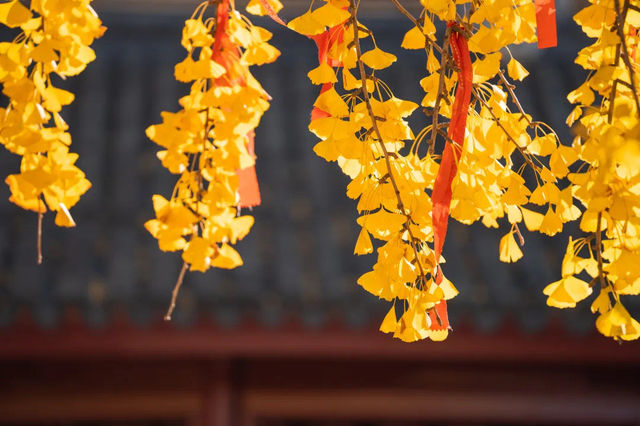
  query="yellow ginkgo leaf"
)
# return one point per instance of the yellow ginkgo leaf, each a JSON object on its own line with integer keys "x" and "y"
{"x": 617, "y": 322}
{"x": 486, "y": 68}
{"x": 255, "y": 7}
{"x": 330, "y": 15}
{"x": 382, "y": 224}
{"x": 509, "y": 249}
{"x": 551, "y": 223}
{"x": 306, "y": 24}
{"x": 414, "y": 39}
{"x": 378, "y": 59}
{"x": 63, "y": 217}
{"x": 363, "y": 245}
{"x": 198, "y": 254}
{"x": 226, "y": 258}
{"x": 602, "y": 303}
{"x": 330, "y": 102}
{"x": 532, "y": 220}
{"x": 322, "y": 74}
{"x": 567, "y": 292}
{"x": 516, "y": 70}
{"x": 13, "y": 14}
{"x": 390, "y": 321}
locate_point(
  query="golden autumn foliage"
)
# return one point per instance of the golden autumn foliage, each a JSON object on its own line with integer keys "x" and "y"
{"x": 53, "y": 38}
{"x": 209, "y": 139}
{"x": 481, "y": 158}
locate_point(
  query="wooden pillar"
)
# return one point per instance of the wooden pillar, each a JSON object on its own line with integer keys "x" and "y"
{"x": 219, "y": 395}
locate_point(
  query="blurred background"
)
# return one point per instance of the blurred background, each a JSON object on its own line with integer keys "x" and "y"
{"x": 289, "y": 338}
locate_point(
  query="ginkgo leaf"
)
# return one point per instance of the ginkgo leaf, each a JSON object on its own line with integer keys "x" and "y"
{"x": 330, "y": 15}
{"x": 329, "y": 101}
{"x": 322, "y": 74}
{"x": 198, "y": 254}
{"x": 378, "y": 59}
{"x": 567, "y": 292}
{"x": 363, "y": 245}
{"x": 516, "y": 70}
{"x": 414, "y": 39}
{"x": 509, "y": 249}
{"x": 63, "y": 217}
{"x": 226, "y": 257}
{"x": 486, "y": 68}
{"x": 390, "y": 321}
{"x": 382, "y": 224}
{"x": 532, "y": 220}
{"x": 13, "y": 14}
{"x": 551, "y": 223}
{"x": 306, "y": 24}
{"x": 602, "y": 303}
{"x": 617, "y": 322}
{"x": 255, "y": 7}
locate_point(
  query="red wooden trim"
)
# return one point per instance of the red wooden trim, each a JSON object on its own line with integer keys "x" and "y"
{"x": 206, "y": 341}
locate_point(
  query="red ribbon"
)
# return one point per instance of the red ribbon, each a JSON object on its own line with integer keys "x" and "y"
{"x": 546, "y": 23}
{"x": 441, "y": 195}
{"x": 325, "y": 42}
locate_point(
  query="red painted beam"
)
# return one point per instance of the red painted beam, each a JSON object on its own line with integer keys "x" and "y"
{"x": 206, "y": 341}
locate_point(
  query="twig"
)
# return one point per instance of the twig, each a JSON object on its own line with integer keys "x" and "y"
{"x": 176, "y": 290}
{"x": 509, "y": 87}
{"x": 620, "y": 18}
{"x": 39, "y": 237}
{"x": 367, "y": 100}
{"x": 599, "y": 250}
{"x": 520, "y": 237}
{"x": 444, "y": 60}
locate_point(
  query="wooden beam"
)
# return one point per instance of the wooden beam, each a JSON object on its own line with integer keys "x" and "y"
{"x": 206, "y": 341}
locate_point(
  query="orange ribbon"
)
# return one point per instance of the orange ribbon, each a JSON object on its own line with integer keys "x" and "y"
{"x": 546, "y": 23}
{"x": 441, "y": 195}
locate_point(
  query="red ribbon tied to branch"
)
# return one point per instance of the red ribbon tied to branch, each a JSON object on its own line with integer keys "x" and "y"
{"x": 546, "y": 23}
{"x": 441, "y": 195}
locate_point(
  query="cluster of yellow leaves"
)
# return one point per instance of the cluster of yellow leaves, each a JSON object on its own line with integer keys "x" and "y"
{"x": 364, "y": 130}
{"x": 488, "y": 186}
{"x": 206, "y": 142}
{"x": 607, "y": 183}
{"x": 54, "y": 38}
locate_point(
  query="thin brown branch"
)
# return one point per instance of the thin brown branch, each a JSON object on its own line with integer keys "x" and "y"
{"x": 372, "y": 116}
{"x": 599, "y": 250}
{"x": 39, "y": 237}
{"x": 510, "y": 87}
{"x": 621, "y": 16}
{"x": 519, "y": 234}
{"x": 444, "y": 60}
{"x": 176, "y": 290}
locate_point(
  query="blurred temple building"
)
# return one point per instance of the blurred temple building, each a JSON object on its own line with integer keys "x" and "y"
{"x": 289, "y": 338}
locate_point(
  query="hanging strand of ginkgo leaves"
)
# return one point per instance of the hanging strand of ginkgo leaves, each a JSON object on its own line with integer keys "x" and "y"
{"x": 364, "y": 130}
{"x": 477, "y": 178}
{"x": 53, "y": 39}
{"x": 209, "y": 142}
{"x": 607, "y": 180}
